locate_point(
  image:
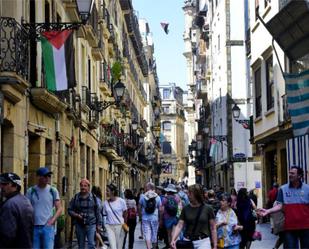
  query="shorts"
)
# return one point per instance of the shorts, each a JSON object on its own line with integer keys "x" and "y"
{"x": 170, "y": 222}
{"x": 150, "y": 230}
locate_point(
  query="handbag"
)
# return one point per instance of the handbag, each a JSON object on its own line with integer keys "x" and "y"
{"x": 257, "y": 235}
{"x": 188, "y": 244}
{"x": 220, "y": 243}
{"x": 124, "y": 226}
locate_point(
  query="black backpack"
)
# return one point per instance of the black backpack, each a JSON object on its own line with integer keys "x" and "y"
{"x": 150, "y": 205}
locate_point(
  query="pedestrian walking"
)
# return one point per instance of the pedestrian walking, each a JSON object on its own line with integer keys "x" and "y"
{"x": 95, "y": 190}
{"x": 213, "y": 201}
{"x": 234, "y": 199}
{"x": 115, "y": 210}
{"x": 84, "y": 208}
{"x": 293, "y": 199}
{"x": 16, "y": 214}
{"x": 47, "y": 208}
{"x": 198, "y": 221}
{"x": 162, "y": 232}
{"x": 132, "y": 215}
{"x": 245, "y": 207}
{"x": 170, "y": 206}
{"x": 141, "y": 191}
{"x": 149, "y": 207}
{"x": 227, "y": 224}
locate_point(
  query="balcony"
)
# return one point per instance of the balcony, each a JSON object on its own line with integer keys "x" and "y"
{"x": 93, "y": 122}
{"x": 108, "y": 142}
{"x": 106, "y": 23}
{"x": 14, "y": 59}
{"x": 47, "y": 101}
{"x": 73, "y": 102}
{"x": 135, "y": 36}
{"x": 105, "y": 81}
{"x": 98, "y": 52}
{"x": 92, "y": 28}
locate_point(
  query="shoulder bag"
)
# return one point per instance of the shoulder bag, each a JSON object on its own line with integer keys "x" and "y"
{"x": 220, "y": 243}
{"x": 125, "y": 227}
{"x": 188, "y": 244}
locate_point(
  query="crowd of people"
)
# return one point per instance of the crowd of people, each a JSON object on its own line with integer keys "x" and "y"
{"x": 180, "y": 216}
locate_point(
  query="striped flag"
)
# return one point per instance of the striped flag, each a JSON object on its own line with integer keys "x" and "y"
{"x": 297, "y": 151}
{"x": 58, "y": 59}
{"x": 297, "y": 88}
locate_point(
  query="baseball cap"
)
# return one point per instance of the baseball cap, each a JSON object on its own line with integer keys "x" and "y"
{"x": 10, "y": 177}
{"x": 43, "y": 171}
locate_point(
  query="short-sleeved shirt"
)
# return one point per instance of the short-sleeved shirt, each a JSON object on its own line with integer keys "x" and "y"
{"x": 189, "y": 214}
{"x": 118, "y": 206}
{"x": 295, "y": 206}
{"x": 150, "y": 217}
{"x": 42, "y": 200}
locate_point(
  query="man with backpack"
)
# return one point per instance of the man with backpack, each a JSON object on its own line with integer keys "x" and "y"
{"x": 86, "y": 212}
{"x": 149, "y": 207}
{"x": 47, "y": 208}
{"x": 171, "y": 207}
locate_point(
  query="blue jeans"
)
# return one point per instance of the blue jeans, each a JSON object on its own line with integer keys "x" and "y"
{"x": 85, "y": 231}
{"x": 291, "y": 239}
{"x": 43, "y": 237}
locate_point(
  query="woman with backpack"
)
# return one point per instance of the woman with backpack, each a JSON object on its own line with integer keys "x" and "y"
{"x": 132, "y": 211}
{"x": 170, "y": 206}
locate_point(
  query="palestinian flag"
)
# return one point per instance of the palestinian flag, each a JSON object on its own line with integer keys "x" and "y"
{"x": 58, "y": 59}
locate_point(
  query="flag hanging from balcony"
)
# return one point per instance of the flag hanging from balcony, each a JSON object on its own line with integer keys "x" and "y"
{"x": 297, "y": 88}
{"x": 58, "y": 59}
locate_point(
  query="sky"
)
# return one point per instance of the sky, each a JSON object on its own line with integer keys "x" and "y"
{"x": 171, "y": 64}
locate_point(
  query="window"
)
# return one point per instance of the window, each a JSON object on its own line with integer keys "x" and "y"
{"x": 167, "y": 126}
{"x": 166, "y": 147}
{"x": 166, "y": 93}
{"x": 47, "y": 12}
{"x": 166, "y": 109}
{"x": 258, "y": 103}
{"x": 270, "y": 82}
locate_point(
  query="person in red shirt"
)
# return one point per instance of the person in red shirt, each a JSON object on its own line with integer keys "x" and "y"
{"x": 272, "y": 195}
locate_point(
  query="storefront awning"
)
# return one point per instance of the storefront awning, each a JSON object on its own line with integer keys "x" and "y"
{"x": 290, "y": 28}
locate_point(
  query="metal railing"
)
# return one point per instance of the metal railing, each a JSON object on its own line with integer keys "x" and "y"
{"x": 14, "y": 48}
{"x": 286, "y": 114}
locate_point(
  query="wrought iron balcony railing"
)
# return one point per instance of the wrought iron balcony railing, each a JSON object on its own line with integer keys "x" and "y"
{"x": 14, "y": 48}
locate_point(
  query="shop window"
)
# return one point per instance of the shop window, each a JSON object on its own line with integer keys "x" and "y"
{"x": 270, "y": 82}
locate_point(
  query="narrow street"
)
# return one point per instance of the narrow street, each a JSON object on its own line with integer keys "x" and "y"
{"x": 268, "y": 239}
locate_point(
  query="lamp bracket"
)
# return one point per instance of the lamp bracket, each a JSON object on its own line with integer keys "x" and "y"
{"x": 102, "y": 105}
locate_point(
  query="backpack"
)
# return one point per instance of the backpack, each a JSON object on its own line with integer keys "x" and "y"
{"x": 150, "y": 205}
{"x": 131, "y": 213}
{"x": 171, "y": 206}
{"x": 33, "y": 191}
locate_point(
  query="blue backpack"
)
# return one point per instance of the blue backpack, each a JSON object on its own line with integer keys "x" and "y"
{"x": 171, "y": 206}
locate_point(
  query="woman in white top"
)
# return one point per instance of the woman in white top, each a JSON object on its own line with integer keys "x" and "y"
{"x": 115, "y": 209}
{"x": 132, "y": 211}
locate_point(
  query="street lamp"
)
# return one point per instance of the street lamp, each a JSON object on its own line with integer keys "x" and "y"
{"x": 119, "y": 89}
{"x": 134, "y": 125}
{"x": 84, "y": 8}
{"x": 236, "y": 114}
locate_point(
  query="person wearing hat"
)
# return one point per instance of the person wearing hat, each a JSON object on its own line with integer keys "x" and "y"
{"x": 171, "y": 207}
{"x": 85, "y": 210}
{"x": 16, "y": 214}
{"x": 47, "y": 208}
{"x": 115, "y": 209}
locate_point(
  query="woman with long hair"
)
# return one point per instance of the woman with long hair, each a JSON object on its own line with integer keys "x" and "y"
{"x": 245, "y": 206}
{"x": 227, "y": 224}
{"x": 198, "y": 221}
{"x": 115, "y": 209}
{"x": 131, "y": 211}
